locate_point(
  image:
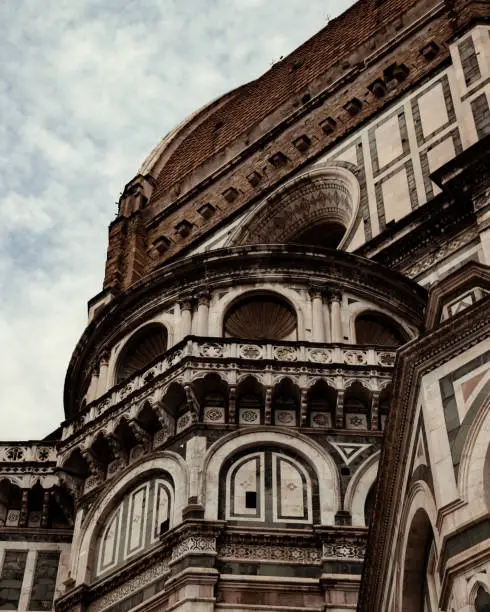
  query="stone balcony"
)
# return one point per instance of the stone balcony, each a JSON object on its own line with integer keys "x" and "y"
{"x": 231, "y": 360}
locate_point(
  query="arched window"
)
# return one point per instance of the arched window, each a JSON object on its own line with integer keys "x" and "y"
{"x": 250, "y": 402}
{"x": 269, "y": 486}
{"x": 415, "y": 583}
{"x": 10, "y": 503}
{"x": 318, "y": 208}
{"x": 212, "y": 393}
{"x": 357, "y": 404}
{"x": 322, "y": 400}
{"x": 142, "y": 348}
{"x": 285, "y": 404}
{"x": 378, "y": 329}
{"x": 135, "y": 524}
{"x": 261, "y": 317}
{"x": 482, "y": 601}
{"x": 176, "y": 406}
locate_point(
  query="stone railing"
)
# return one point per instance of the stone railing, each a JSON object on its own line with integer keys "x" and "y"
{"x": 25, "y": 452}
{"x": 210, "y": 351}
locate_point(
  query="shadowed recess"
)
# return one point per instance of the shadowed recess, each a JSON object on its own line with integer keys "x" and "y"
{"x": 261, "y": 317}
{"x": 379, "y": 330}
{"x": 142, "y": 348}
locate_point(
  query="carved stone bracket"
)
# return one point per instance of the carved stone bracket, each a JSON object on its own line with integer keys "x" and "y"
{"x": 141, "y": 435}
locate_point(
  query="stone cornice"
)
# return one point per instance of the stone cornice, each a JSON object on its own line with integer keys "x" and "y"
{"x": 417, "y": 358}
{"x": 422, "y": 231}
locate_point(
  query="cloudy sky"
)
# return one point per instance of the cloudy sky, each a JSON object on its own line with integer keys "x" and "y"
{"x": 87, "y": 88}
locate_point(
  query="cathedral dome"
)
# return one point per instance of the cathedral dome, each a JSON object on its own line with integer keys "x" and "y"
{"x": 288, "y": 85}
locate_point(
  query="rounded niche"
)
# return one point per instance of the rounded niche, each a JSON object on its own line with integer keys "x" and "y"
{"x": 261, "y": 317}
{"x": 143, "y": 347}
{"x": 318, "y": 208}
{"x": 379, "y": 330}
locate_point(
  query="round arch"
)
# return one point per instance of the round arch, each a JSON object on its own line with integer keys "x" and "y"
{"x": 417, "y": 528}
{"x": 168, "y": 462}
{"x": 332, "y": 194}
{"x": 321, "y": 462}
{"x": 237, "y": 294}
{"x": 164, "y": 320}
{"x": 260, "y": 316}
{"x": 383, "y": 327}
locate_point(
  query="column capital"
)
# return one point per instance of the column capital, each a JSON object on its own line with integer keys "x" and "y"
{"x": 185, "y": 303}
{"x": 335, "y": 295}
{"x": 203, "y": 298}
{"x": 104, "y": 358}
{"x": 316, "y": 291}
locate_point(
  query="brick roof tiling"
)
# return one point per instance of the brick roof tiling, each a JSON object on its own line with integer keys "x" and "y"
{"x": 256, "y": 100}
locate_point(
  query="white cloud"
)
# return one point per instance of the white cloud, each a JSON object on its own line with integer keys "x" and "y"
{"x": 87, "y": 89}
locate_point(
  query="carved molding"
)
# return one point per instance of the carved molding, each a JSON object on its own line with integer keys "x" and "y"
{"x": 130, "y": 586}
{"x": 194, "y": 544}
{"x": 344, "y": 550}
{"x": 304, "y": 555}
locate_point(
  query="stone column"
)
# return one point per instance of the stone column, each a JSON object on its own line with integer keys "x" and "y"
{"x": 24, "y": 508}
{"x": 303, "y": 408}
{"x": 374, "y": 411}
{"x": 232, "y": 404}
{"x": 103, "y": 372}
{"x": 336, "y": 317}
{"x": 327, "y": 326}
{"x": 268, "y": 405}
{"x": 28, "y": 580}
{"x": 202, "y": 314}
{"x": 45, "y": 512}
{"x": 339, "y": 410}
{"x": 318, "y": 328}
{"x": 185, "y": 319}
{"x": 92, "y": 389}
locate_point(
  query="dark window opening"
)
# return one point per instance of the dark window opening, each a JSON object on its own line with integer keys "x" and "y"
{"x": 327, "y": 235}
{"x": 251, "y": 499}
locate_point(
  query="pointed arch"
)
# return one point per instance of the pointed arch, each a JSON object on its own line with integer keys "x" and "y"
{"x": 359, "y": 487}
{"x": 474, "y": 470}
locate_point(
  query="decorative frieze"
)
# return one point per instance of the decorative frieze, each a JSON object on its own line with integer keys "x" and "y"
{"x": 194, "y": 545}
{"x": 17, "y": 453}
{"x": 302, "y": 555}
{"x": 130, "y": 586}
{"x": 345, "y": 549}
